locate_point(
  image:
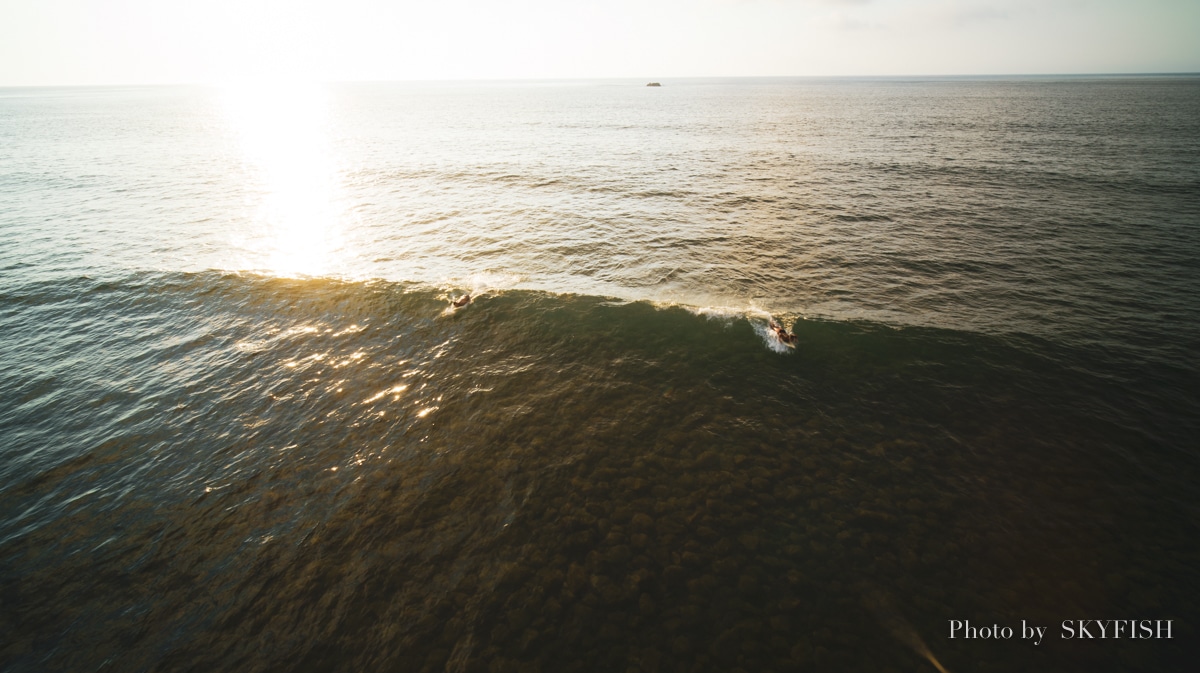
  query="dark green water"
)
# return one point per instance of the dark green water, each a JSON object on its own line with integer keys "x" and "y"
{"x": 596, "y": 486}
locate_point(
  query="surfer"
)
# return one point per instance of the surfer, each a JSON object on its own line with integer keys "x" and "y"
{"x": 462, "y": 301}
{"x": 782, "y": 334}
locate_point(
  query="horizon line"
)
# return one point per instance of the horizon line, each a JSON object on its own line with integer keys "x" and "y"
{"x": 498, "y": 80}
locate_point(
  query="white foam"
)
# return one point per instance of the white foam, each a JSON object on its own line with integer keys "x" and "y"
{"x": 772, "y": 342}
{"x": 727, "y": 313}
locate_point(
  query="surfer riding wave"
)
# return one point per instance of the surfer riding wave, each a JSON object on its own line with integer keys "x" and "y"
{"x": 782, "y": 334}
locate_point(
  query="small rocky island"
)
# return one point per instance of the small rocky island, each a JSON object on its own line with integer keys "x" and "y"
{"x": 653, "y": 84}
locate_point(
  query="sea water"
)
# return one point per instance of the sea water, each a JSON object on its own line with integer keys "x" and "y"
{"x": 242, "y": 427}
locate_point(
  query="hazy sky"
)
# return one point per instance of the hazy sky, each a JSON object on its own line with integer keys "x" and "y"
{"x": 163, "y": 41}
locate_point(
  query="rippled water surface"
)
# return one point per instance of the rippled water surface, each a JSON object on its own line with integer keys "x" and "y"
{"x": 242, "y": 428}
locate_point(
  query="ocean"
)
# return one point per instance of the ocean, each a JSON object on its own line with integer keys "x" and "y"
{"x": 243, "y": 427}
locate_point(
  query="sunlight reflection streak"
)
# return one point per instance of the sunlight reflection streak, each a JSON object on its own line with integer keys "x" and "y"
{"x": 295, "y": 226}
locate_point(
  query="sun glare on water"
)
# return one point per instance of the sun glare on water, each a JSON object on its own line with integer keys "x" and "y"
{"x": 295, "y": 220}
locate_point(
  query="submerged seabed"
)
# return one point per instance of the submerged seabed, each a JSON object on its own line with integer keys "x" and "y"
{"x": 217, "y": 471}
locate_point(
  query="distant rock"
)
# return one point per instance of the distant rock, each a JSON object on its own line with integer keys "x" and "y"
{"x": 654, "y": 84}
